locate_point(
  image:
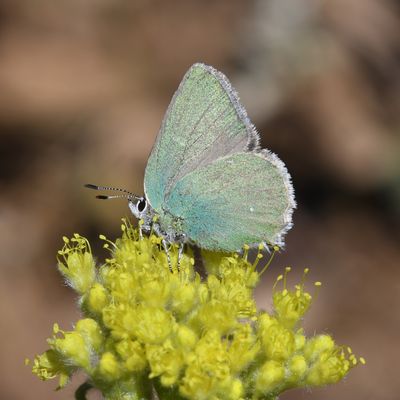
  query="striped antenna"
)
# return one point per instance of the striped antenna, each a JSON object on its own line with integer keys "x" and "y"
{"x": 127, "y": 195}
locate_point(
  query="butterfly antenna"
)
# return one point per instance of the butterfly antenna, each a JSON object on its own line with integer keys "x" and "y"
{"x": 106, "y": 197}
{"x": 127, "y": 195}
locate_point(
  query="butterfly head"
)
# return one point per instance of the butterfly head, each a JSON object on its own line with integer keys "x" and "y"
{"x": 138, "y": 205}
{"x": 142, "y": 210}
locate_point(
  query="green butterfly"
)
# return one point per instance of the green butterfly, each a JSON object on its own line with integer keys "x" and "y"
{"x": 207, "y": 181}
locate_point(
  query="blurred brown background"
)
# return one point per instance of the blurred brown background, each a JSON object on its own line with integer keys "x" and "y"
{"x": 83, "y": 88}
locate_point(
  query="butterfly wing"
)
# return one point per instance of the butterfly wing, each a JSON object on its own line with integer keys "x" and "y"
{"x": 244, "y": 198}
{"x": 204, "y": 122}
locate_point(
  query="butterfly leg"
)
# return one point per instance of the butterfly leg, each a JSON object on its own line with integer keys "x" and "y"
{"x": 140, "y": 231}
{"x": 164, "y": 243}
{"x": 180, "y": 253}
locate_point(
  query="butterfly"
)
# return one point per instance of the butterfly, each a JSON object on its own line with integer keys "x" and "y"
{"x": 207, "y": 181}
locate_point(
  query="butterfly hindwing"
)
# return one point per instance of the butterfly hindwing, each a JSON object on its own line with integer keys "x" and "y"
{"x": 244, "y": 198}
{"x": 204, "y": 122}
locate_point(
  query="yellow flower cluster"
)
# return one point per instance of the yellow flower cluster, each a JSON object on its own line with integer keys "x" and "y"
{"x": 148, "y": 328}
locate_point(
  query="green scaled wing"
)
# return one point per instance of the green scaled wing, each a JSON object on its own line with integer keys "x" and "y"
{"x": 244, "y": 198}
{"x": 204, "y": 122}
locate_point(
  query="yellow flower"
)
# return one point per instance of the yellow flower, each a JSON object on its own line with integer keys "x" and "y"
{"x": 215, "y": 314}
{"x": 277, "y": 342}
{"x": 185, "y": 297}
{"x": 90, "y": 330}
{"x": 147, "y": 326}
{"x": 270, "y": 376}
{"x": 243, "y": 348}
{"x": 77, "y": 264}
{"x": 49, "y": 365}
{"x": 150, "y": 325}
{"x": 208, "y": 369}
{"x": 96, "y": 299}
{"x": 166, "y": 361}
{"x": 72, "y": 346}
{"x": 109, "y": 368}
{"x": 185, "y": 337}
{"x": 133, "y": 354}
{"x": 297, "y": 367}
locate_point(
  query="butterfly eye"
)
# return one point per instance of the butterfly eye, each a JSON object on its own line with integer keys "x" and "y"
{"x": 141, "y": 205}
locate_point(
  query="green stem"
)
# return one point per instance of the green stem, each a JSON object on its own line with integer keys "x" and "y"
{"x": 80, "y": 393}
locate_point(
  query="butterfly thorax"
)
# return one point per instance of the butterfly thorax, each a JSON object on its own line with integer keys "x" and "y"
{"x": 168, "y": 226}
{"x": 161, "y": 222}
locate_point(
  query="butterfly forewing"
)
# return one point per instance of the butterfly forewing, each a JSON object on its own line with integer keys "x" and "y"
{"x": 204, "y": 122}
